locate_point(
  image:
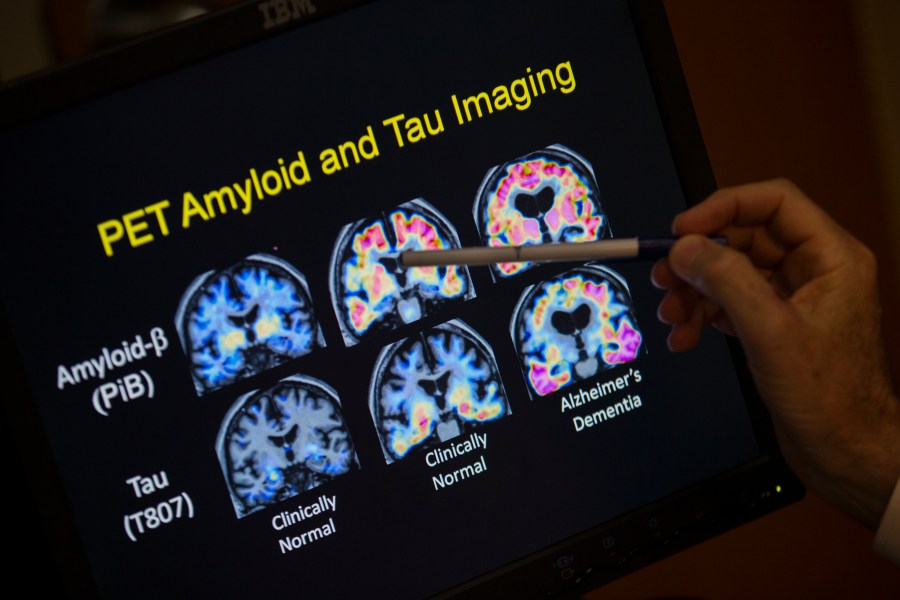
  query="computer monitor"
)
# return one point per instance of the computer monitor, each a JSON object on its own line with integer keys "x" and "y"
{"x": 224, "y": 379}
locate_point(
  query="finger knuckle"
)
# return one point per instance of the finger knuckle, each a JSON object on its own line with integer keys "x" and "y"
{"x": 866, "y": 262}
{"x": 723, "y": 264}
{"x": 785, "y": 184}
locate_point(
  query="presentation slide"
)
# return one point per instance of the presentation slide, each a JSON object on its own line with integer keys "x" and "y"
{"x": 242, "y": 386}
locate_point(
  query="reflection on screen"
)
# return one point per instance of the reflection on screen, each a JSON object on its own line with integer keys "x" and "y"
{"x": 433, "y": 387}
{"x": 276, "y": 443}
{"x": 371, "y": 291}
{"x": 547, "y": 196}
{"x": 573, "y": 326}
{"x": 242, "y": 320}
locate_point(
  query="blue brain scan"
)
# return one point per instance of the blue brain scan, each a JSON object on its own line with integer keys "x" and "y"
{"x": 279, "y": 442}
{"x": 574, "y": 326}
{"x": 432, "y": 387}
{"x": 245, "y": 319}
{"x": 371, "y": 291}
{"x": 550, "y": 195}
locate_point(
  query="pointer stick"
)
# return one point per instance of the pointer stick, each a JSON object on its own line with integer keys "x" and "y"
{"x": 644, "y": 248}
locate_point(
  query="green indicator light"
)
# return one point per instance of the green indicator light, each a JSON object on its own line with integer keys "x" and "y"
{"x": 777, "y": 489}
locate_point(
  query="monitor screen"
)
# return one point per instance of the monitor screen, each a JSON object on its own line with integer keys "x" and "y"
{"x": 241, "y": 386}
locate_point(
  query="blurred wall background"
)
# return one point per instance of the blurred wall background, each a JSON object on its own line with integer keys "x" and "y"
{"x": 804, "y": 89}
{"x": 809, "y": 90}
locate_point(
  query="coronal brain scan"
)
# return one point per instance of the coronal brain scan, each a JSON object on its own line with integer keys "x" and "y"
{"x": 434, "y": 386}
{"x": 276, "y": 443}
{"x": 573, "y": 326}
{"x": 546, "y": 196}
{"x": 247, "y": 318}
{"x": 371, "y": 291}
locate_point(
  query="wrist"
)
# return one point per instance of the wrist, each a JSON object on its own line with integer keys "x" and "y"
{"x": 872, "y": 468}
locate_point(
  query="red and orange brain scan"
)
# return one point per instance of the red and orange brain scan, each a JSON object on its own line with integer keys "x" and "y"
{"x": 372, "y": 292}
{"x": 546, "y": 196}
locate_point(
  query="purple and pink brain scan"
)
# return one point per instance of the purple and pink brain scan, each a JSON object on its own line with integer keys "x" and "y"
{"x": 574, "y": 326}
{"x": 371, "y": 292}
{"x": 279, "y": 442}
{"x": 242, "y": 320}
{"x": 546, "y": 196}
{"x": 432, "y": 387}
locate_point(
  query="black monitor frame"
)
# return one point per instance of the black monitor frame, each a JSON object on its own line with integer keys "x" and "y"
{"x": 573, "y": 566}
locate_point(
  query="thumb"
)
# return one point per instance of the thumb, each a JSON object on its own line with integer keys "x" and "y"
{"x": 728, "y": 278}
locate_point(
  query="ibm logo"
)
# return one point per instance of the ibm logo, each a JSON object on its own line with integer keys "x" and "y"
{"x": 279, "y": 12}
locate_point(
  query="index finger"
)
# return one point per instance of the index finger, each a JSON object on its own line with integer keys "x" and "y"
{"x": 789, "y": 217}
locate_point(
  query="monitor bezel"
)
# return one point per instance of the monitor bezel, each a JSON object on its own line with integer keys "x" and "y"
{"x": 704, "y": 510}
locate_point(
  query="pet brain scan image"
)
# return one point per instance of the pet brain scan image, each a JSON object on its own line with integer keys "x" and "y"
{"x": 276, "y": 443}
{"x": 573, "y": 326}
{"x": 546, "y": 196}
{"x": 242, "y": 320}
{"x": 432, "y": 387}
{"x": 371, "y": 291}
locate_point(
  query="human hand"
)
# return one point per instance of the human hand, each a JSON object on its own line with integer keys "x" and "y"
{"x": 800, "y": 293}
